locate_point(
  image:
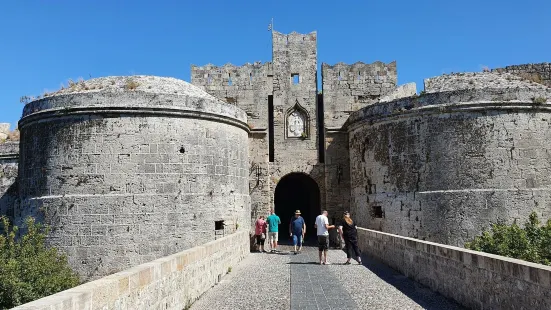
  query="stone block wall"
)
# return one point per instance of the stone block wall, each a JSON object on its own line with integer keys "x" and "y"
{"x": 295, "y": 91}
{"x": 246, "y": 86}
{"x": 478, "y": 80}
{"x": 125, "y": 177}
{"x": 474, "y": 279}
{"x": 540, "y": 73}
{"x": 402, "y": 91}
{"x": 443, "y": 166}
{"x": 169, "y": 283}
{"x": 4, "y": 131}
{"x": 348, "y": 88}
{"x": 9, "y": 158}
{"x": 337, "y": 173}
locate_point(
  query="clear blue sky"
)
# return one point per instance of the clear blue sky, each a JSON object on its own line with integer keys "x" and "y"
{"x": 44, "y": 43}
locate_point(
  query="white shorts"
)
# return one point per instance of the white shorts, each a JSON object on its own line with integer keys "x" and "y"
{"x": 272, "y": 236}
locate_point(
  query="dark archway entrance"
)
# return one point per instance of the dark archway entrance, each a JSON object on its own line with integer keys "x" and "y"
{"x": 297, "y": 191}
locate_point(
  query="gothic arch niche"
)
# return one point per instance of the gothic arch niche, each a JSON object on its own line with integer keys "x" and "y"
{"x": 297, "y": 123}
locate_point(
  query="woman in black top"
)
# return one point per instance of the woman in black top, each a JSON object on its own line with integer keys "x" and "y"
{"x": 348, "y": 232}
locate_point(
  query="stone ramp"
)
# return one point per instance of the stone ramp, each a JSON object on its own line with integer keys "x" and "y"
{"x": 287, "y": 281}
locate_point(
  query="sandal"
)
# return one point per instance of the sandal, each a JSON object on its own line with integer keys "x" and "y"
{"x": 347, "y": 263}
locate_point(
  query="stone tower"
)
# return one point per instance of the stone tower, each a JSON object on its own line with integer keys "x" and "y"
{"x": 280, "y": 98}
{"x": 129, "y": 169}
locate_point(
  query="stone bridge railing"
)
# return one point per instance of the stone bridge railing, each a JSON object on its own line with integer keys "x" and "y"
{"x": 474, "y": 279}
{"x": 172, "y": 282}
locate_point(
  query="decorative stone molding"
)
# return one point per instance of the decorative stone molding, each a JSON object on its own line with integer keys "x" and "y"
{"x": 297, "y": 123}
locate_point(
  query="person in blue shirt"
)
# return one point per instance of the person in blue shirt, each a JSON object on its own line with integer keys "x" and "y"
{"x": 273, "y": 225}
{"x": 297, "y": 229}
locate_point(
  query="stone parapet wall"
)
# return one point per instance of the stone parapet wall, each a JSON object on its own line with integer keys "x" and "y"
{"x": 402, "y": 91}
{"x": 540, "y": 72}
{"x": 172, "y": 283}
{"x": 479, "y": 80}
{"x": 474, "y": 279}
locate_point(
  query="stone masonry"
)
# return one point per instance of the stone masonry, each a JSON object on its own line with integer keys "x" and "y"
{"x": 539, "y": 73}
{"x": 125, "y": 176}
{"x": 9, "y": 155}
{"x": 129, "y": 169}
{"x": 291, "y": 80}
{"x": 441, "y": 167}
{"x": 407, "y": 171}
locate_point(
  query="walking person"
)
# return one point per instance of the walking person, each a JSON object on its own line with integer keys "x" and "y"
{"x": 260, "y": 233}
{"x": 297, "y": 229}
{"x": 273, "y": 226}
{"x": 349, "y": 233}
{"x": 322, "y": 227}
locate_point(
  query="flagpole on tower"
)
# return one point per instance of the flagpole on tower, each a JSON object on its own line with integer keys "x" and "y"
{"x": 271, "y": 29}
{"x": 271, "y": 26}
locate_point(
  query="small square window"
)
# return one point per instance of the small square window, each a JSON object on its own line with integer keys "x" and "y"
{"x": 296, "y": 78}
{"x": 218, "y": 225}
{"x": 377, "y": 212}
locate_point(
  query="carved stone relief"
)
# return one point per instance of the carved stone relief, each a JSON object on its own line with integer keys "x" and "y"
{"x": 295, "y": 124}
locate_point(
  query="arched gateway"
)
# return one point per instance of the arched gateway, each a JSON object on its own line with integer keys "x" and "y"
{"x": 297, "y": 191}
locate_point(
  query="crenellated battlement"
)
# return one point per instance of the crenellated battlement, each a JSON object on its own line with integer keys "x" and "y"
{"x": 293, "y": 37}
{"x": 359, "y": 72}
{"x": 349, "y": 87}
{"x": 230, "y": 75}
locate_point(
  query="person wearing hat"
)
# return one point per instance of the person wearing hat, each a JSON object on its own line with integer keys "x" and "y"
{"x": 297, "y": 229}
{"x": 349, "y": 233}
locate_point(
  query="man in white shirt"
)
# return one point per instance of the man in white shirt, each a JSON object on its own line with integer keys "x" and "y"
{"x": 322, "y": 226}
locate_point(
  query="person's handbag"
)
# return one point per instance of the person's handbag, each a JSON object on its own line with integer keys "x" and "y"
{"x": 263, "y": 236}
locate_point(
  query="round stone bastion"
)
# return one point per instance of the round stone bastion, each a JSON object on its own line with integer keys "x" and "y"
{"x": 473, "y": 149}
{"x": 129, "y": 169}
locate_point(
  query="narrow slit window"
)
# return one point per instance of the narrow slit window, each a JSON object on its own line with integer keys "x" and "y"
{"x": 271, "y": 146}
{"x": 359, "y": 75}
{"x": 296, "y": 78}
{"x": 229, "y": 79}
{"x": 321, "y": 129}
{"x": 208, "y": 78}
{"x": 340, "y": 78}
{"x": 250, "y": 77}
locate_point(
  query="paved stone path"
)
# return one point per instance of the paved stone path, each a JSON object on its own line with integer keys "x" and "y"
{"x": 297, "y": 282}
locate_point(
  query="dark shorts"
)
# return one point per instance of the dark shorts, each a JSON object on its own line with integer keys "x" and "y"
{"x": 323, "y": 243}
{"x": 259, "y": 240}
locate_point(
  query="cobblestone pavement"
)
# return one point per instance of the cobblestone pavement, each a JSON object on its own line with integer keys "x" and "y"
{"x": 297, "y": 282}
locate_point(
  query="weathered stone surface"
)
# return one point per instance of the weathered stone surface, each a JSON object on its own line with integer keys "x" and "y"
{"x": 474, "y": 279}
{"x": 173, "y": 282}
{"x": 348, "y": 88}
{"x": 125, "y": 177}
{"x": 540, "y": 73}
{"x": 291, "y": 78}
{"x": 443, "y": 166}
{"x": 9, "y": 155}
{"x": 4, "y": 131}
{"x": 406, "y": 90}
{"x": 478, "y": 80}
{"x": 246, "y": 87}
